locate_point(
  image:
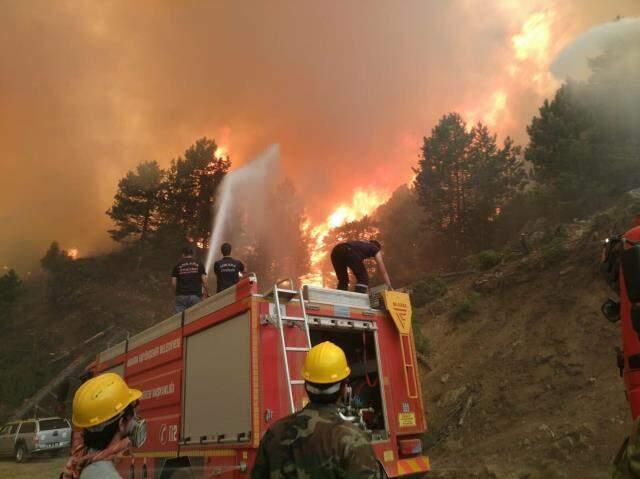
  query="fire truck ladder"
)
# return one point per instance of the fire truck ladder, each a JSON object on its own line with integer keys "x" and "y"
{"x": 283, "y": 296}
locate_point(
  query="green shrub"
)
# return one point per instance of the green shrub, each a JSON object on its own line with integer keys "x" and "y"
{"x": 426, "y": 290}
{"x": 556, "y": 252}
{"x": 465, "y": 307}
{"x": 423, "y": 345}
{"x": 487, "y": 259}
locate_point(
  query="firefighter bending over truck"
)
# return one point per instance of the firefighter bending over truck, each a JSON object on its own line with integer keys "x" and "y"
{"x": 104, "y": 408}
{"x": 316, "y": 443}
{"x": 351, "y": 255}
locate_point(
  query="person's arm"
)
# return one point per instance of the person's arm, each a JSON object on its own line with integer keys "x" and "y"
{"x": 241, "y": 269}
{"x": 383, "y": 269}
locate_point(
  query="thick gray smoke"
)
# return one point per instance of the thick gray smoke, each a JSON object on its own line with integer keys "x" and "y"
{"x": 573, "y": 61}
{"x": 607, "y": 58}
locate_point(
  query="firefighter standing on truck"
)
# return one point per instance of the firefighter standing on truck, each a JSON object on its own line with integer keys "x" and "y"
{"x": 104, "y": 408}
{"x": 351, "y": 255}
{"x": 228, "y": 270}
{"x": 316, "y": 443}
{"x": 188, "y": 279}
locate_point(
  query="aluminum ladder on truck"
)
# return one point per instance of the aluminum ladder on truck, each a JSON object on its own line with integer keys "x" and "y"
{"x": 283, "y": 296}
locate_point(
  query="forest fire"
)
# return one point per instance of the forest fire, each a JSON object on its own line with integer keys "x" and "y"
{"x": 526, "y": 68}
{"x": 363, "y": 203}
{"x": 221, "y": 152}
{"x": 533, "y": 40}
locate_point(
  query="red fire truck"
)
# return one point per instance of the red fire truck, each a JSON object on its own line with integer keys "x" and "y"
{"x": 215, "y": 377}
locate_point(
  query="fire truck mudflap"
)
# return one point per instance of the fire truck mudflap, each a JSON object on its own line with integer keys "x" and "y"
{"x": 213, "y": 379}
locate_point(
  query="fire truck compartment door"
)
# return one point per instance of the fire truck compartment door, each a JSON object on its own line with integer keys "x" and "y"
{"x": 217, "y": 390}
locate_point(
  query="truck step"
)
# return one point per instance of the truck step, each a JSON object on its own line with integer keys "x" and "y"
{"x": 291, "y": 318}
{"x": 288, "y": 291}
{"x": 297, "y": 349}
{"x": 296, "y": 382}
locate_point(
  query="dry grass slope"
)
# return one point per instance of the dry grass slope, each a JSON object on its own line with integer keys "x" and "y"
{"x": 528, "y": 364}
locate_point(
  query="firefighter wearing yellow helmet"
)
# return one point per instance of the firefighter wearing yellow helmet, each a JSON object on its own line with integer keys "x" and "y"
{"x": 316, "y": 442}
{"x": 104, "y": 408}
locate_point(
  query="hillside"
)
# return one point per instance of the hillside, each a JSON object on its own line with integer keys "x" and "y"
{"x": 523, "y": 380}
{"x": 520, "y": 378}
{"x": 120, "y": 293}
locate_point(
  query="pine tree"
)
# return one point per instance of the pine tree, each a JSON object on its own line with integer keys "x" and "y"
{"x": 10, "y": 285}
{"x": 55, "y": 258}
{"x": 463, "y": 181}
{"x": 190, "y": 188}
{"x": 136, "y": 203}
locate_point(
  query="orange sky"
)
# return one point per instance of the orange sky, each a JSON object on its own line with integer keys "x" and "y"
{"x": 89, "y": 89}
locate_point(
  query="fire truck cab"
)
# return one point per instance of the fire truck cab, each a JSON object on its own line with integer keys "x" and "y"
{"x": 215, "y": 377}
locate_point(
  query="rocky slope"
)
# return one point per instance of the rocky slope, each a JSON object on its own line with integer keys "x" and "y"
{"x": 523, "y": 381}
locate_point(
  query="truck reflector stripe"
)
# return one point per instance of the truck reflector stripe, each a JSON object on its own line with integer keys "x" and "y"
{"x": 413, "y": 465}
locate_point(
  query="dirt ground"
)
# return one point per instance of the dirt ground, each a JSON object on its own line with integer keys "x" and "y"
{"x": 524, "y": 383}
{"x": 40, "y": 468}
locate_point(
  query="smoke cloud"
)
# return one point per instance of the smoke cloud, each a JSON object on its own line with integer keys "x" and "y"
{"x": 90, "y": 89}
{"x": 572, "y": 62}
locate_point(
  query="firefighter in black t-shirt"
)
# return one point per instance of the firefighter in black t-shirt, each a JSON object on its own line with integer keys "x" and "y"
{"x": 228, "y": 270}
{"x": 188, "y": 279}
{"x": 351, "y": 255}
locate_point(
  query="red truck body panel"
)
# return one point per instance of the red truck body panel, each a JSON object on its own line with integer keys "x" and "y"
{"x": 165, "y": 362}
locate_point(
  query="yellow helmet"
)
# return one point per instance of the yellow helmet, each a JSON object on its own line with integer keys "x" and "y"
{"x": 100, "y": 399}
{"x": 325, "y": 364}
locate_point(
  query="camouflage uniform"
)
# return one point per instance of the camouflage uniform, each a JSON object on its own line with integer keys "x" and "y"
{"x": 315, "y": 443}
{"x": 627, "y": 462}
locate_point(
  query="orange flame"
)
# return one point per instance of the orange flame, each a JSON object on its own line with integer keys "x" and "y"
{"x": 363, "y": 203}
{"x": 221, "y": 152}
{"x": 533, "y": 45}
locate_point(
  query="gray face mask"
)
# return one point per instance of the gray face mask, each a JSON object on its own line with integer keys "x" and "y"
{"x": 137, "y": 431}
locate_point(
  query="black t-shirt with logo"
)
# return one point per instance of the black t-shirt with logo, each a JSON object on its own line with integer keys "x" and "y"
{"x": 227, "y": 271}
{"x": 188, "y": 273}
{"x": 363, "y": 249}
